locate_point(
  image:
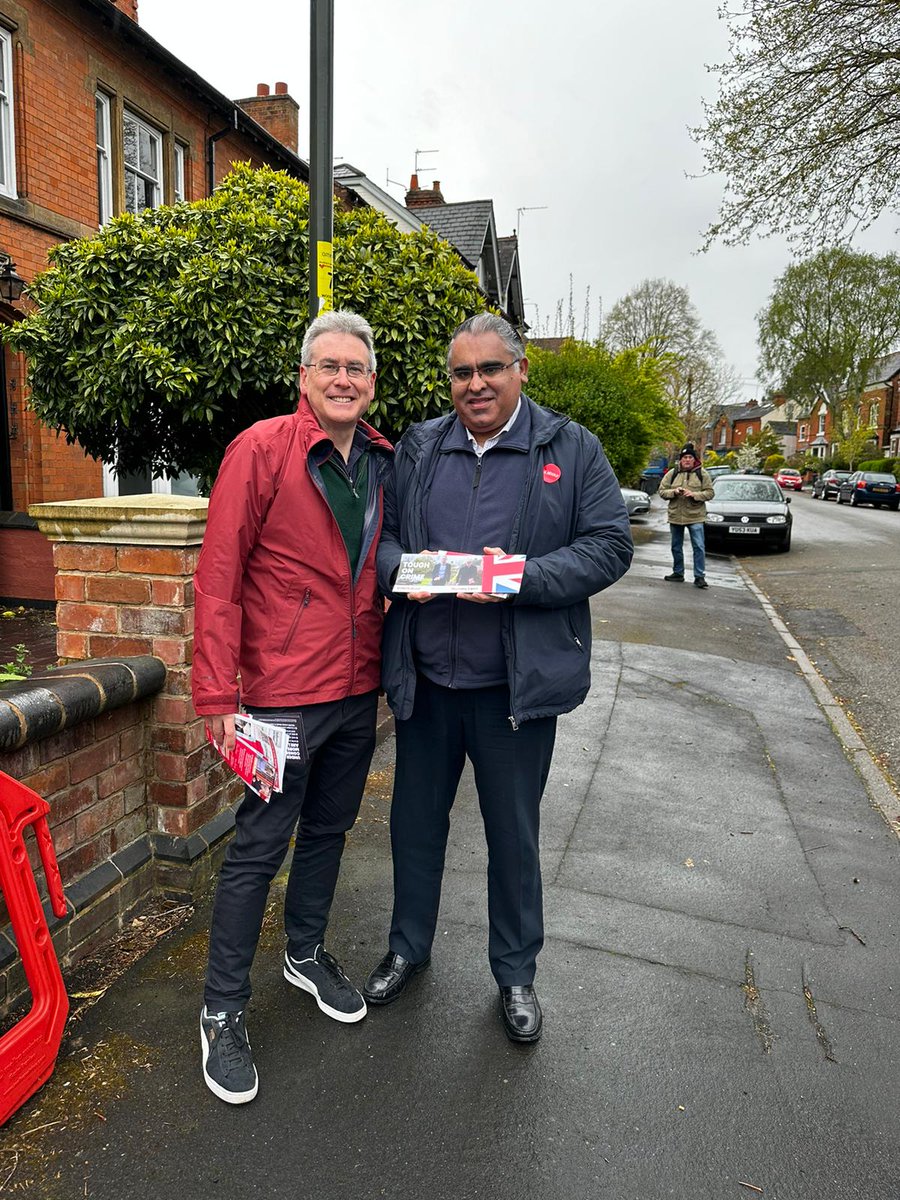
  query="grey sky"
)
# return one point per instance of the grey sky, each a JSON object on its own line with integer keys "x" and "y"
{"x": 580, "y": 107}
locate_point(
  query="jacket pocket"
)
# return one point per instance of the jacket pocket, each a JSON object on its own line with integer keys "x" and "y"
{"x": 301, "y": 609}
{"x": 573, "y": 632}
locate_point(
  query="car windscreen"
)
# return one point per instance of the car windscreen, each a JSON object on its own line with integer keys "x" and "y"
{"x": 747, "y": 489}
{"x": 873, "y": 477}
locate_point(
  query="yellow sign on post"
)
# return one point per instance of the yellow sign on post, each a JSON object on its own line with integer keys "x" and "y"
{"x": 324, "y": 258}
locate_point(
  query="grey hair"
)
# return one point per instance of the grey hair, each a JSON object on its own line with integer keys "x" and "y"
{"x": 489, "y": 323}
{"x": 338, "y": 320}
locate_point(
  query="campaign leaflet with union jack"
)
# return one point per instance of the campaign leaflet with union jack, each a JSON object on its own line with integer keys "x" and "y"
{"x": 450, "y": 572}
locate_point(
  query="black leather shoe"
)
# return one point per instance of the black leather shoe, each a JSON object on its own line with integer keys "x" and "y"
{"x": 521, "y": 1013}
{"x": 390, "y": 977}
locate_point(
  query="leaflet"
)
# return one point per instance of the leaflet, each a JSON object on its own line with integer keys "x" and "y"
{"x": 258, "y": 756}
{"x": 450, "y": 571}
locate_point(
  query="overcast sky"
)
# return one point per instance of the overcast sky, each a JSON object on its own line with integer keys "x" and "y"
{"x": 579, "y": 107}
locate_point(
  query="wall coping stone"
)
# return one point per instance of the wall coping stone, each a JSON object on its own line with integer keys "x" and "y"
{"x": 149, "y": 520}
{"x": 50, "y": 701}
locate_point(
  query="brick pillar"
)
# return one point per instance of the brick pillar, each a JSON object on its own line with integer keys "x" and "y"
{"x": 124, "y": 586}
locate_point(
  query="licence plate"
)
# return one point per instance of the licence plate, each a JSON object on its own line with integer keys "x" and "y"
{"x": 741, "y": 529}
{"x": 881, "y": 489}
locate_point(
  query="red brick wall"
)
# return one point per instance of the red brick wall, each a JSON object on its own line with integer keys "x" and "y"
{"x": 93, "y": 778}
{"x": 26, "y": 565}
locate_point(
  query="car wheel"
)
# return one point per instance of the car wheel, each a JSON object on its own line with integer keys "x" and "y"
{"x": 894, "y": 505}
{"x": 840, "y": 498}
{"x": 854, "y": 503}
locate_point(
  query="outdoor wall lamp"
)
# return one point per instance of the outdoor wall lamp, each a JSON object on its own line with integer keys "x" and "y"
{"x": 12, "y": 285}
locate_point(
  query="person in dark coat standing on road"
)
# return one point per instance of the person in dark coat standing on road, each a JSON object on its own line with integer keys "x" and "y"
{"x": 687, "y": 487}
{"x": 486, "y": 676}
{"x": 288, "y": 623}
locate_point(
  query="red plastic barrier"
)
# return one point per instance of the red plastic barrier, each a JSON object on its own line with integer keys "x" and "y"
{"x": 28, "y": 1051}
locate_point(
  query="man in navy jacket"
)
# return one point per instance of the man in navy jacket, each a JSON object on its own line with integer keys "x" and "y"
{"x": 486, "y": 676}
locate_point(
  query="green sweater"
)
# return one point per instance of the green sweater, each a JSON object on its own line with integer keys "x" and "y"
{"x": 347, "y": 493}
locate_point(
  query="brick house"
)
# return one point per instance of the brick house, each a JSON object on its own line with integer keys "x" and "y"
{"x": 731, "y": 424}
{"x": 878, "y": 408}
{"x": 96, "y": 118}
{"x": 470, "y": 227}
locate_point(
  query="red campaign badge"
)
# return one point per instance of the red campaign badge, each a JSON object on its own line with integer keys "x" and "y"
{"x": 551, "y": 473}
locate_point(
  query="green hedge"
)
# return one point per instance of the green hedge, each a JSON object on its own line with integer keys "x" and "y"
{"x": 887, "y": 465}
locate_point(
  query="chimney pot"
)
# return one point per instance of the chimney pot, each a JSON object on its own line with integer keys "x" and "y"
{"x": 281, "y": 89}
{"x": 436, "y": 186}
{"x": 262, "y": 89}
{"x": 413, "y": 183}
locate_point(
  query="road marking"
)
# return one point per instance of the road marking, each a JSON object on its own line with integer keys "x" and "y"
{"x": 882, "y": 793}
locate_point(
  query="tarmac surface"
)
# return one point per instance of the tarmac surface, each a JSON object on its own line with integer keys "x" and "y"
{"x": 719, "y": 980}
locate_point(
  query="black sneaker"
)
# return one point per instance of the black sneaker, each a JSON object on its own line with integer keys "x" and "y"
{"x": 700, "y": 582}
{"x": 227, "y": 1062}
{"x": 322, "y": 976}
{"x": 675, "y": 577}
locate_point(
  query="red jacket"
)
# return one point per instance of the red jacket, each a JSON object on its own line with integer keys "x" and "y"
{"x": 279, "y": 620}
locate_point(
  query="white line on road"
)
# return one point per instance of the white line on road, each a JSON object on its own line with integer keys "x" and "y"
{"x": 882, "y": 793}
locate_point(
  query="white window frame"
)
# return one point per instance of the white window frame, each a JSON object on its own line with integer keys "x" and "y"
{"x": 132, "y": 169}
{"x": 874, "y": 414}
{"x": 104, "y": 159}
{"x": 178, "y": 180}
{"x": 158, "y": 487}
{"x": 7, "y": 120}
{"x": 821, "y": 432}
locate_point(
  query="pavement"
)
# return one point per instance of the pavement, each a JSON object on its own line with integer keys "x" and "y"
{"x": 719, "y": 980}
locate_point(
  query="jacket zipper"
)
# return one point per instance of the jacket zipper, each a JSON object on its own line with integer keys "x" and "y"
{"x": 304, "y": 603}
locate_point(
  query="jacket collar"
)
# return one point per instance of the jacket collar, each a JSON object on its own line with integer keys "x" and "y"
{"x": 314, "y": 435}
{"x": 544, "y": 423}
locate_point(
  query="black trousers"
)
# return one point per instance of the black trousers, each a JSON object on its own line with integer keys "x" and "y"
{"x": 321, "y": 799}
{"x": 511, "y": 768}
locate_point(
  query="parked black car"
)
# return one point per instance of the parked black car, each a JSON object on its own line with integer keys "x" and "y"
{"x": 828, "y": 484}
{"x": 870, "y": 487}
{"x": 748, "y": 508}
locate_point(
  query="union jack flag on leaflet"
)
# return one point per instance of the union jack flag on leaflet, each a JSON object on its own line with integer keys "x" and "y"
{"x": 501, "y": 574}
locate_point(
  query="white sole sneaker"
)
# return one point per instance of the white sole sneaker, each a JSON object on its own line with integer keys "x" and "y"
{"x": 217, "y": 1089}
{"x": 306, "y": 985}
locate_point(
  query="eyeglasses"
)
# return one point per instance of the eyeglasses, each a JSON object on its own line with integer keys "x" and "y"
{"x": 488, "y": 370}
{"x": 331, "y": 369}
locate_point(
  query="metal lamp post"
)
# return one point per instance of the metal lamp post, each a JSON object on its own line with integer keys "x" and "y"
{"x": 321, "y": 170}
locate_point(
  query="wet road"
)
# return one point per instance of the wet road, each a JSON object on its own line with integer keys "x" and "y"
{"x": 838, "y": 590}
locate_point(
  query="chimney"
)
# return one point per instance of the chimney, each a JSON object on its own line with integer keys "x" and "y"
{"x": 418, "y": 197}
{"x": 128, "y": 7}
{"x": 278, "y": 114}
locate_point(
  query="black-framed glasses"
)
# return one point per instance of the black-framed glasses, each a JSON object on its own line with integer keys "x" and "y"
{"x": 487, "y": 370}
{"x": 331, "y": 369}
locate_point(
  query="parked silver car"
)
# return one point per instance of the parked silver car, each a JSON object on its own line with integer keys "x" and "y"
{"x": 636, "y": 503}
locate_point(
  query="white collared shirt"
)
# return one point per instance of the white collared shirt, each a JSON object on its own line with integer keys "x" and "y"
{"x": 480, "y": 449}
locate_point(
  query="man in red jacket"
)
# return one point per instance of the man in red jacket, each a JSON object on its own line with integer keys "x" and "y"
{"x": 288, "y": 624}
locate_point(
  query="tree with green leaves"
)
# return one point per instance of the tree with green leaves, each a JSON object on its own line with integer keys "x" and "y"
{"x": 828, "y": 321}
{"x": 161, "y": 337}
{"x": 619, "y": 397}
{"x": 857, "y": 445}
{"x": 765, "y": 442}
{"x": 806, "y": 125}
{"x": 659, "y": 319}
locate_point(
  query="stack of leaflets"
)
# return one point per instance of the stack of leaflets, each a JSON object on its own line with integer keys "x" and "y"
{"x": 449, "y": 571}
{"x": 259, "y": 754}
